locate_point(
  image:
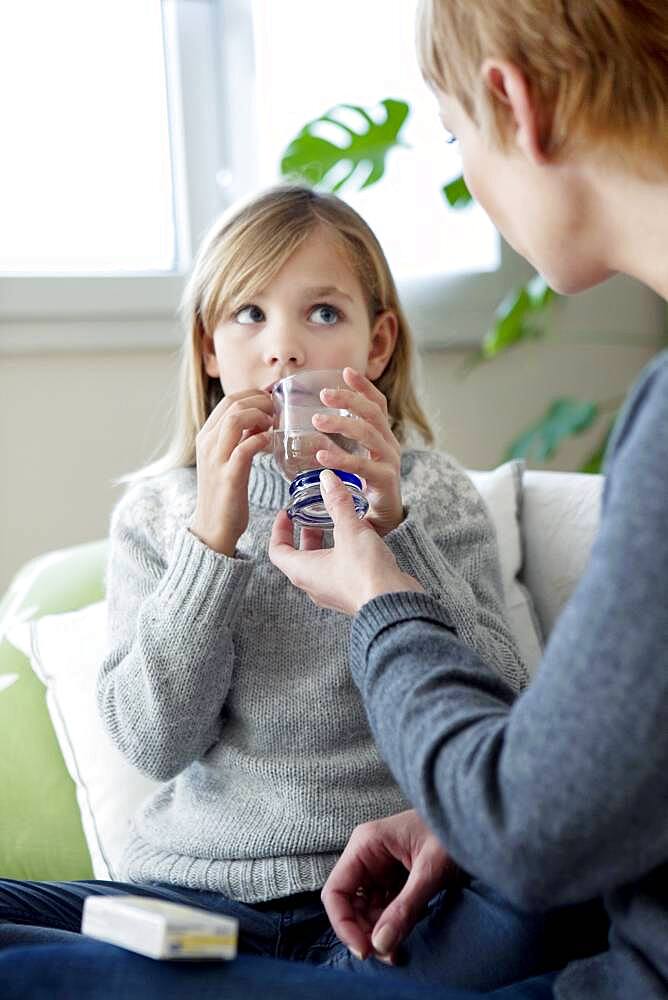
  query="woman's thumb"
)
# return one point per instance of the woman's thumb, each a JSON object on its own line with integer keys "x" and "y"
{"x": 337, "y": 499}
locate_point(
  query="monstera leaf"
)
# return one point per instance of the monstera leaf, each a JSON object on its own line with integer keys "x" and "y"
{"x": 516, "y": 316}
{"x": 563, "y": 418}
{"x": 457, "y": 194}
{"x": 312, "y": 157}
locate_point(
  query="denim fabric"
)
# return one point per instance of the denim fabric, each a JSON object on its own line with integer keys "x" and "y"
{"x": 471, "y": 939}
{"x": 89, "y": 970}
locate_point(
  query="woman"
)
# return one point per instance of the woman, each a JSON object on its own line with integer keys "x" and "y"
{"x": 562, "y": 120}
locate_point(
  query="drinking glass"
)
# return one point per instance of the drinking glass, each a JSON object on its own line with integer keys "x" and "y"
{"x": 296, "y": 441}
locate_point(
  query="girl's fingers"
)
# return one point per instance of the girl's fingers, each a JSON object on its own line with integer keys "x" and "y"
{"x": 362, "y": 384}
{"x": 374, "y": 473}
{"x": 359, "y": 430}
{"x": 258, "y": 398}
{"x": 367, "y": 410}
{"x": 243, "y": 454}
{"x": 231, "y": 430}
{"x": 356, "y": 402}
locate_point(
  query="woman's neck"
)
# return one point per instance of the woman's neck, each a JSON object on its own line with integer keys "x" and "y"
{"x": 632, "y": 222}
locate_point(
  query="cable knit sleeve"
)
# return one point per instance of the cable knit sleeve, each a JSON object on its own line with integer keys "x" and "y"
{"x": 162, "y": 686}
{"x": 447, "y": 542}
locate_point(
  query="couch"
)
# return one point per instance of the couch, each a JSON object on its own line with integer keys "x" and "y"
{"x": 63, "y": 795}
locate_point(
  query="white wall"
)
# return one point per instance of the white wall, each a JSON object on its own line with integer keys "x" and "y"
{"x": 72, "y": 422}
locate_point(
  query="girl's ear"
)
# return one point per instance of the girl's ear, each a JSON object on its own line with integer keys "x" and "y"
{"x": 209, "y": 356}
{"x": 508, "y": 84}
{"x": 383, "y": 339}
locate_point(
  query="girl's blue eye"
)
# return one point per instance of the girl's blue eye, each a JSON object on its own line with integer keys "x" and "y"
{"x": 249, "y": 314}
{"x": 325, "y": 315}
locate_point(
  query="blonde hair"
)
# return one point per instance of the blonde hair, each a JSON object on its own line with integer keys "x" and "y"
{"x": 238, "y": 258}
{"x": 597, "y": 69}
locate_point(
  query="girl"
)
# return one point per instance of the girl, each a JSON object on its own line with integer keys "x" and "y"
{"x": 223, "y": 681}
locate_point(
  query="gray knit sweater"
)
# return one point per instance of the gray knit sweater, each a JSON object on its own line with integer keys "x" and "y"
{"x": 228, "y": 685}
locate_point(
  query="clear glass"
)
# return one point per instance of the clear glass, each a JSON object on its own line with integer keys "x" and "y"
{"x": 86, "y": 164}
{"x": 296, "y": 442}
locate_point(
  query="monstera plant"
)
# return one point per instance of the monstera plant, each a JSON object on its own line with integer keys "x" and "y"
{"x": 360, "y": 156}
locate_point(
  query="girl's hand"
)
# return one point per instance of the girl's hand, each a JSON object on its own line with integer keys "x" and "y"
{"x": 359, "y": 566}
{"x": 237, "y": 429}
{"x": 381, "y": 469}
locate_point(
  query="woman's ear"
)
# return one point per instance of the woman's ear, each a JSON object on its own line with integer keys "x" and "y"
{"x": 508, "y": 84}
{"x": 383, "y": 340}
{"x": 209, "y": 358}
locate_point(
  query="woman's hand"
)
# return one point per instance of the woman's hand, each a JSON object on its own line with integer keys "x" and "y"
{"x": 370, "y": 426}
{"x": 382, "y": 882}
{"x": 235, "y": 431}
{"x": 359, "y": 566}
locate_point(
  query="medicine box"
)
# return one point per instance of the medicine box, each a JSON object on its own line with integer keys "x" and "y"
{"x": 159, "y": 929}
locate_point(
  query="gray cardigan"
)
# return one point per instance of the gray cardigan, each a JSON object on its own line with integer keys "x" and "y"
{"x": 563, "y": 795}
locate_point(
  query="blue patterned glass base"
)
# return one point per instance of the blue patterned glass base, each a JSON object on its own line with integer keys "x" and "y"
{"x": 306, "y": 504}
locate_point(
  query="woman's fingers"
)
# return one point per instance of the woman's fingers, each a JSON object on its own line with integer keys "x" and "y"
{"x": 346, "y": 905}
{"x": 284, "y": 555}
{"x": 310, "y": 539}
{"x": 340, "y": 507}
{"x": 282, "y": 535}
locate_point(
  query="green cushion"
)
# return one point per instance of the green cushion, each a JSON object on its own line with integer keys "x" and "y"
{"x": 40, "y": 830}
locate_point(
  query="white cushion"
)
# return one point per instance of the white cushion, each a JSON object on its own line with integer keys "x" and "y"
{"x": 501, "y": 489}
{"x": 560, "y": 516}
{"x": 65, "y": 652}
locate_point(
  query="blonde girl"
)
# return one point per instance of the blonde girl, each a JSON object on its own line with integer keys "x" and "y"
{"x": 223, "y": 681}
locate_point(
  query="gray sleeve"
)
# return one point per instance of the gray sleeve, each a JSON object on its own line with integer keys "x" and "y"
{"x": 447, "y": 541}
{"x": 562, "y": 795}
{"x": 162, "y": 686}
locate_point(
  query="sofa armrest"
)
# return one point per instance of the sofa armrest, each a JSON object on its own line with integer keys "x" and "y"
{"x": 560, "y": 515}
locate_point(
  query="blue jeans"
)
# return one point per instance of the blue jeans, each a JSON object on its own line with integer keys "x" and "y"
{"x": 470, "y": 939}
{"x": 92, "y": 971}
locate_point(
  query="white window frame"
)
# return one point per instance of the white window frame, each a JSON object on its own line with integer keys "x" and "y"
{"x": 108, "y": 312}
{"x": 210, "y": 90}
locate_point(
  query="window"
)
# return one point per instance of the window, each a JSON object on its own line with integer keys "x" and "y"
{"x": 133, "y": 89}
{"x": 87, "y": 178}
{"x": 311, "y": 56}
{"x": 132, "y": 123}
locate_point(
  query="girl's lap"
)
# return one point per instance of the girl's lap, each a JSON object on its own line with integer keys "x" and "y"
{"x": 91, "y": 970}
{"x": 33, "y": 912}
{"x": 472, "y": 939}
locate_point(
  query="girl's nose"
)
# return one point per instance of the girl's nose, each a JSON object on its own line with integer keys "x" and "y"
{"x": 283, "y": 351}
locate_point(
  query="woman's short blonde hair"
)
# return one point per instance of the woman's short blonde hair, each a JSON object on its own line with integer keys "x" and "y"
{"x": 239, "y": 257}
{"x": 598, "y": 69}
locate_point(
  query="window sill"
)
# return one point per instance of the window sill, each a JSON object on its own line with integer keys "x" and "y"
{"x": 25, "y": 298}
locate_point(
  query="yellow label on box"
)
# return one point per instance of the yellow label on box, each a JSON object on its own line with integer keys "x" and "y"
{"x": 191, "y": 942}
